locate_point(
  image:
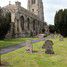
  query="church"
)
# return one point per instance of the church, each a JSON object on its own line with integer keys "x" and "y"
{"x": 26, "y": 21}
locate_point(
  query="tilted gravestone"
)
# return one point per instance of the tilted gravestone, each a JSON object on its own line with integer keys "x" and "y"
{"x": 29, "y": 47}
{"x": 48, "y": 46}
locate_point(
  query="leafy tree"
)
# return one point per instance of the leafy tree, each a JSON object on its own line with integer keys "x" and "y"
{"x": 60, "y": 22}
{"x": 51, "y": 28}
{"x": 4, "y": 23}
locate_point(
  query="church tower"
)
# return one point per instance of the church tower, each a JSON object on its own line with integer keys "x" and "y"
{"x": 36, "y": 6}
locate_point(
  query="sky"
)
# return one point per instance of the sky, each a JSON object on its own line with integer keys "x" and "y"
{"x": 50, "y": 7}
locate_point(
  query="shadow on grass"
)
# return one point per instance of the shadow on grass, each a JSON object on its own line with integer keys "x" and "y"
{"x": 34, "y": 51}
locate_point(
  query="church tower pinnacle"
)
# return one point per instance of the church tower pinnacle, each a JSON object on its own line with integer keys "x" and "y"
{"x": 36, "y": 6}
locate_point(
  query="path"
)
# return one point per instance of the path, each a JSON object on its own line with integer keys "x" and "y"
{"x": 10, "y": 49}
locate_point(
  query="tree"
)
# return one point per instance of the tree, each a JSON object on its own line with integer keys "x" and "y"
{"x": 4, "y": 24}
{"x": 51, "y": 28}
{"x": 60, "y": 22}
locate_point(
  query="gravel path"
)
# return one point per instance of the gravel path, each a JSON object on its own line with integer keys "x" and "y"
{"x": 10, "y": 49}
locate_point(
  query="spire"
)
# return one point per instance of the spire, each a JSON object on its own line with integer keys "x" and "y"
{"x": 18, "y": 3}
{"x": 9, "y": 2}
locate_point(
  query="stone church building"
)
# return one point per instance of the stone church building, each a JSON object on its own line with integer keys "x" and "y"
{"x": 26, "y": 21}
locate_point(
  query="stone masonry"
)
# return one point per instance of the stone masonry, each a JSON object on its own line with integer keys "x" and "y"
{"x": 24, "y": 21}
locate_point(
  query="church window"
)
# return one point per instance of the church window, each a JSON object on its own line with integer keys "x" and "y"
{"x": 28, "y": 25}
{"x": 22, "y": 22}
{"x": 32, "y": 10}
{"x": 17, "y": 25}
{"x": 33, "y": 24}
{"x": 33, "y": 1}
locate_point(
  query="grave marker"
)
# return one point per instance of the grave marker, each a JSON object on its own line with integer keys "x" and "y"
{"x": 48, "y": 47}
{"x": 29, "y": 47}
{"x": 60, "y": 37}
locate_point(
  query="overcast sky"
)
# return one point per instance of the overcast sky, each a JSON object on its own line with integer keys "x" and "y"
{"x": 50, "y": 7}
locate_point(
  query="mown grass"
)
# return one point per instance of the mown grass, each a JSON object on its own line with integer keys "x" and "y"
{"x": 20, "y": 58}
{"x": 12, "y": 42}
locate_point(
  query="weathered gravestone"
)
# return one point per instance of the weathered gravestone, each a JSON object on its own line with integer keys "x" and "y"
{"x": 40, "y": 36}
{"x": 29, "y": 46}
{"x": 48, "y": 46}
{"x": 52, "y": 36}
{"x": 60, "y": 37}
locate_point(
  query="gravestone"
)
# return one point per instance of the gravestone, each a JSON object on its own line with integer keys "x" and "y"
{"x": 52, "y": 36}
{"x": 60, "y": 37}
{"x": 48, "y": 46}
{"x": 40, "y": 36}
{"x": 29, "y": 46}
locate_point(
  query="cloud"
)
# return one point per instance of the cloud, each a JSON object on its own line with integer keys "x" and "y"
{"x": 50, "y": 8}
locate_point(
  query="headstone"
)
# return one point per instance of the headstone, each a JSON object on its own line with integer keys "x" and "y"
{"x": 29, "y": 46}
{"x": 40, "y": 36}
{"x": 48, "y": 47}
{"x": 52, "y": 36}
{"x": 60, "y": 37}
{"x": 55, "y": 34}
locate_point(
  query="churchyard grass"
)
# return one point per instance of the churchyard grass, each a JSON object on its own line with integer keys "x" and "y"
{"x": 12, "y": 42}
{"x": 20, "y": 58}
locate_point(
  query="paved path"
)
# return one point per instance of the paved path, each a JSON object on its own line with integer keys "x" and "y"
{"x": 10, "y": 49}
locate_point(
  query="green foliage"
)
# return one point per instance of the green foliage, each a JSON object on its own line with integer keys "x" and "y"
{"x": 51, "y": 28}
{"x": 4, "y": 23}
{"x": 31, "y": 34}
{"x": 61, "y": 22}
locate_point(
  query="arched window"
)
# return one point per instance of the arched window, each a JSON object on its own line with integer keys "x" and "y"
{"x": 34, "y": 25}
{"x": 17, "y": 25}
{"x": 33, "y": 1}
{"x": 22, "y": 22}
{"x": 28, "y": 25}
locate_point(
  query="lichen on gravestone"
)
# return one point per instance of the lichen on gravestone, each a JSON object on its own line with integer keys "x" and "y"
{"x": 48, "y": 46}
{"x": 29, "y": 46}
{"x": 60, "y": 37}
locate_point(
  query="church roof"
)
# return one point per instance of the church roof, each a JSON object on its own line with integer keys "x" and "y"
{"x": 13, "y": 8}
{"x": 10, "y": 7}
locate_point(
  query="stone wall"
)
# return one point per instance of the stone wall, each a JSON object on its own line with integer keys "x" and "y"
{"x": 23, "y": 22}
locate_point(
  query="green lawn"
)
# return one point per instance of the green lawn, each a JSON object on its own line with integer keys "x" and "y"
{"x": 20, "y": 58}
{"x": 12, "y": 42}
